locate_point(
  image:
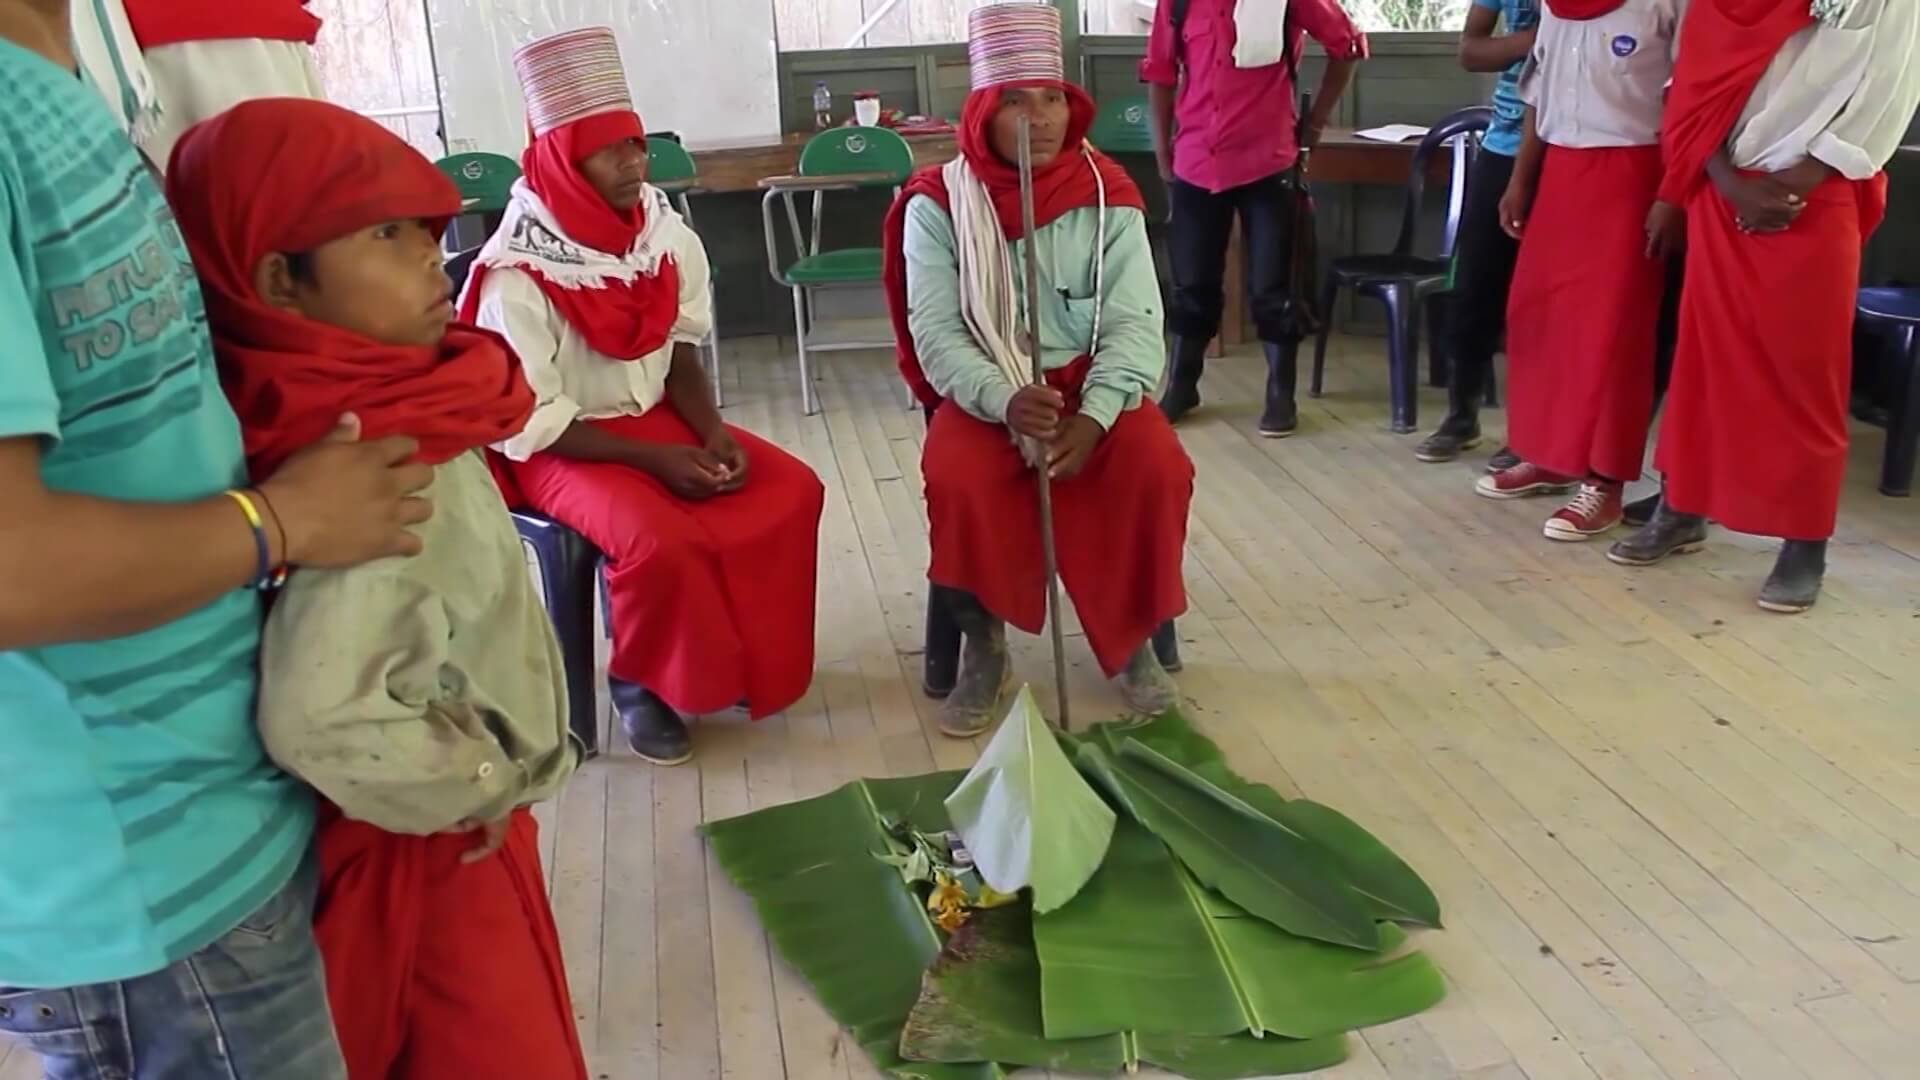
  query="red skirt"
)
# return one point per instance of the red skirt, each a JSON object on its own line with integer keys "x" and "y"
{"x": 1583, "y": 316}
{"x": 439, "y": 970}
{"x": 712, "y": 602}
{"x": 1120, "y": 526}
{"x": 1755, "y": 431}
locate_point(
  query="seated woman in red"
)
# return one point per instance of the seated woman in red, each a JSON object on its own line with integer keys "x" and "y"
{"x": 1121, "y": 482}
{"x": 710, "y": 534}
{"x": 422, "y": 696}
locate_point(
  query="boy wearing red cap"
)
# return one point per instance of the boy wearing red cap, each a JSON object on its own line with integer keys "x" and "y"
{"x": 422, "y": 697}
{"x": 1121, "y": 482}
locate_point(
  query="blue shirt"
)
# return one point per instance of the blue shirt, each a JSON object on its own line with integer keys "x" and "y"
{"x": 1509, "y": 112}
{"x": 140, "y": 819}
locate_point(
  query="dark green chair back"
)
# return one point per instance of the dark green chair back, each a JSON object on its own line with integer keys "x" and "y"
{"x": 484, "y": 180}
{"x": 1120, "y": 127}
{"x": 668, "y": 162}
{"x": 842, "y": 151}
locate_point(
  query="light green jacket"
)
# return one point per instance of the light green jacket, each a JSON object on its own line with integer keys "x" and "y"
{"x": 420, "y": 693}
{"x": 1127, "y": 360}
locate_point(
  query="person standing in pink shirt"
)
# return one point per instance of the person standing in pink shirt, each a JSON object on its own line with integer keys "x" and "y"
{"x": 1220, "y": 79}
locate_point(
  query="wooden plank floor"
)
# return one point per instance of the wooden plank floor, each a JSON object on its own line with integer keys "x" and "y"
{"x": 1674, "y": 836}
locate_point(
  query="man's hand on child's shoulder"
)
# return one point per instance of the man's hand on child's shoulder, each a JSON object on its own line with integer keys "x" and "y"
{"x": 342, "y": 502}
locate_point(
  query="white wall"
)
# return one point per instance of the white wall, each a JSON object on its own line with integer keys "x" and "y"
{"x": 703, "y": 68}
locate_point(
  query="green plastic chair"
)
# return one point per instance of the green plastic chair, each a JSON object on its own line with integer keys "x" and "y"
{"x": 1120, "y": 127}
{"x": 839, "y": 159}
{"x": 671, "y": 169}
{"x": 485, "y": 180}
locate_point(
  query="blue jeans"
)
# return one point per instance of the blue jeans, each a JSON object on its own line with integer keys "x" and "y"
{"x": 251, "y": 1006}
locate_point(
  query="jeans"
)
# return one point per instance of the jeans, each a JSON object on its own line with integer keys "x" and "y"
{"x": 1202, "y": 226}
{"x": 251, "y": 1006}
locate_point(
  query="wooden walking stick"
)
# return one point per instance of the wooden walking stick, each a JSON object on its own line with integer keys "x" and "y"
{"x": 1032, "y": 295}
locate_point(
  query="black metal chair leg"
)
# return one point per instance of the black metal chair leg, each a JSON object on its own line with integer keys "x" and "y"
{"x": 1166, "y": 646}
{"x": 1329, "y": 296}
{"x": 1903, "y": 424}
{"x": 940, "y": 664}
{"x": 1403, "y": 343}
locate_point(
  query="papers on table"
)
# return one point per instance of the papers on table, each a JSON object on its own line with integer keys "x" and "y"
{"x": 1393, "y": 133}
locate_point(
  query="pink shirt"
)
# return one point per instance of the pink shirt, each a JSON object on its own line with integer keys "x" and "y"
{"x": 1233, "y": 126}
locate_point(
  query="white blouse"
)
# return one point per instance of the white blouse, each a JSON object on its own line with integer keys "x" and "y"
{"x": 1602, "y": 82}
{"x": 1842, "y": 94}
{"x": 570, "y": 380}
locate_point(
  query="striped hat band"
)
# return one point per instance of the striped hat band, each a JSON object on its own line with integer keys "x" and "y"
{"x": 1014, "y": 43}
{"x": 571, "y": 76}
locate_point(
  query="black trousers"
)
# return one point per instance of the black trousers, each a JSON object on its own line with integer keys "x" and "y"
{"x": 1202, "y": 226}
{"x": 1484, "y": 259}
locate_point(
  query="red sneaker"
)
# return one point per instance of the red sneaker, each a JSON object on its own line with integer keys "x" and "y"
{"x": 1593, "y": 511}
{"x": 1523, "y": 481}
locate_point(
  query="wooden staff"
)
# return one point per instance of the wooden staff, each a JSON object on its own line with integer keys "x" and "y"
{"x": 1048, "y": 555}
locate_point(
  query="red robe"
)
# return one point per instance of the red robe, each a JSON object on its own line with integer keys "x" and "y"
{"x": 438, "y": 969}
{"x": 1755, "y": 432}
{"x": 1120, "y": 525}
{"x": 1583, "y": 316}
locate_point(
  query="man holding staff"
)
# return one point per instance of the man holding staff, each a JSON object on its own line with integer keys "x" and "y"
{"x": 1121, "y": 483}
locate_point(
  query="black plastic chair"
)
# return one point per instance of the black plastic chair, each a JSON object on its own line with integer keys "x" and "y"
{"x": 569, "y": 583}
{"x": 1399, "y": 279}
{"x": 459, "y": 267}
{"x": 1895, "y": 314}
{"x": 940, "y": 663}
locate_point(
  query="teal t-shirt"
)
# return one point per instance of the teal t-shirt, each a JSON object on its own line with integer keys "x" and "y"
{"x": 1509, "y": 112}
{"x": 140, "y": 819}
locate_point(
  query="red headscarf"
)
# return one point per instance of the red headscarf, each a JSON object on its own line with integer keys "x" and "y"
{"x": 1064, "y": 184}
{"x": 621, "y": 320}
{"x": 1727, "y": 46}
{"x": 287, "y": 175}
{"x": 1581, "y": 10}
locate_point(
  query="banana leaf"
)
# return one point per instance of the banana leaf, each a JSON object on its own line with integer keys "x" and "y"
{"x": 1194, "y": 964}
{"x": 1388, "y": 886}
{"x": 1028, "y": 818}
{"x": 1272, "y": 872}
{"x": 845, "y": 920}
{"x": 981, "y": 999}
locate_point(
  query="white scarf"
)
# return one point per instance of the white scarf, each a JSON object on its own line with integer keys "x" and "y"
{"x": 988, "y": 301}
{"x": 1836, "y": 13}
{"x": 530, "y": 238}
{"x": 110, "y": 58}
{"x": 1259, "y": 28}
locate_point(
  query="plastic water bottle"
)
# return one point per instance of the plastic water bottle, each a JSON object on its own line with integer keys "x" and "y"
{"x": 822, "y": 106}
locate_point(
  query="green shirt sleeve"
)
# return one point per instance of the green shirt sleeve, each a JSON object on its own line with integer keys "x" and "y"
{"x": 1131, "y": 354}
{"x": 954, "y": 365}
{"x": 28, "y": 403}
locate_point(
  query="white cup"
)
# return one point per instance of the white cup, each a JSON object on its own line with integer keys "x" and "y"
{"x": 866, "y": 111}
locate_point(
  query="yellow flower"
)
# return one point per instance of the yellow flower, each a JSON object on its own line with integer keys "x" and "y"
{"x": 948, "y": 902}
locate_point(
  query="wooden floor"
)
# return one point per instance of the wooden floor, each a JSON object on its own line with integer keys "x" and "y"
{"x": 1673, "y": 836}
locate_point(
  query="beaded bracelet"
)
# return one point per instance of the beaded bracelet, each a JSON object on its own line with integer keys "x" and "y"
{"x": 267, "y": 576}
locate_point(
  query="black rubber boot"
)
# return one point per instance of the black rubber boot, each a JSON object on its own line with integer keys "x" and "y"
{"x": 1183, "y": 381}
{"x": 1281, "y": 418}
{"x": 1669, "y": 533}
{"x": 653, "y": 729}
{"x": 1502, "y": 460}
{"x": 986, "y": 671}
{"x": 1640, "y": 511}
{"x": 1457, "y": 434}
{"x": 1794, "y": 585}
{"x": 1145, "y": 684}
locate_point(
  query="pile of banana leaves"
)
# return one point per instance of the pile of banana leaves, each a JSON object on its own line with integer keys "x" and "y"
{"x": 1087, "y": 903}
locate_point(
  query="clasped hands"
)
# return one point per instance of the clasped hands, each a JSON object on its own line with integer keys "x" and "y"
{"x": 1039, "y": 412}
{"x": 717, "y": 467}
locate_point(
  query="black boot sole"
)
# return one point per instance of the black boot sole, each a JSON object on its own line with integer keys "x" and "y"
{"x": 1678, "y": 549}
{"x": 1421, "y": 453}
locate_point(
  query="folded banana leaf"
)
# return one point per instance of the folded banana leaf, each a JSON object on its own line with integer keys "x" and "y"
{"x": 981, "y": 999}
{"x": 1146, "y": 948}
{"x": 1389, "y": 887}
{"x": 845, "y": 920}
{"x": 1027, "y": 816}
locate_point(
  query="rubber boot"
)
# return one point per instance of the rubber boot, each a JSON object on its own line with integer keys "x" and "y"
{"x": 986, "y": 671}
{"x": 1667, "y": 534}
{"x": 1794, "y": 584}
{"x": 654, "y": 731}
{"x": 1183, "y": 381}
{"x": 1145, "y": 684}
{"x": 1281, "y": 418}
